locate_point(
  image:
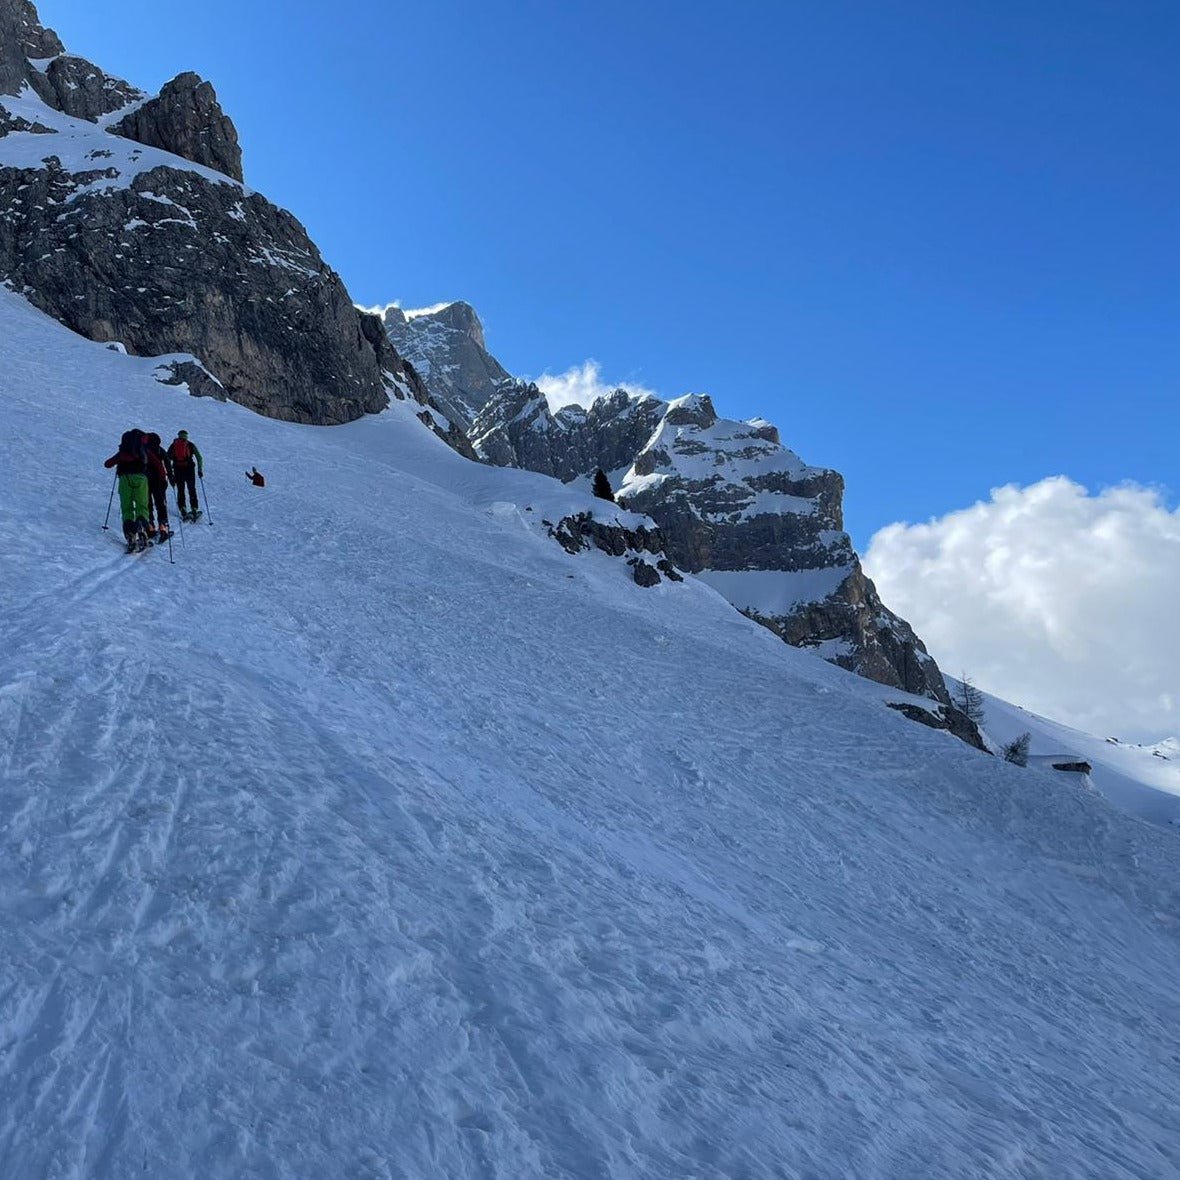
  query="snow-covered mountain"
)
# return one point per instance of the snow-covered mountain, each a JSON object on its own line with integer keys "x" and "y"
{"x": 733, "y": 505}
{"x": 415, "y": 844}
{"x": 125, "y": 217}
{"x": 412, "y": 845}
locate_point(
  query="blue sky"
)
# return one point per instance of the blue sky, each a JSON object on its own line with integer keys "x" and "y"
{"x": 936, "y": 243}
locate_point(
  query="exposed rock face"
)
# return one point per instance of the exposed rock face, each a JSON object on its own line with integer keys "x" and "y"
{"x": 516, "y": 428}
{"x": 734, "y": 507}
{"x": 187, "y": 120}
{"x": 33, "y": 56}
{"x": 633, "y": 541}
{"x": 446, "y": 346}
{"x": 22, "y": 38}
{"x": 134, "y": 229}
{"x": 81, "y": 90}
{"x": 943, "y": 717}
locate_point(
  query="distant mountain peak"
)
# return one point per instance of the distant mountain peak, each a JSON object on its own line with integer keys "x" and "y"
{"x": 445, "y": 344}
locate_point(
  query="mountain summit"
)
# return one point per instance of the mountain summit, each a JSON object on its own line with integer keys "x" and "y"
{"x": 446, "y": 346}
{"x": 126, "y": 219}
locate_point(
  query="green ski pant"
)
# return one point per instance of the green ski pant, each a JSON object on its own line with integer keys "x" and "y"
{"x": 133, "y": 500}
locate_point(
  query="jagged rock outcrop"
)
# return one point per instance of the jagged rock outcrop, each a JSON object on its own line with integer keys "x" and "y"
{"x": 943, "y": 717}
{"x": 33, "y": 56}
{"x": 627, "y": 538}
{"x": 446, "y": 346}
{"x": 23, "y": 40}
{"x": 516, "y": 428}
{"x": 78, "y": 88}
{"x": 734, "y": 507}
{"x": 134, "y": 228}
{"x": 187, "y": 120}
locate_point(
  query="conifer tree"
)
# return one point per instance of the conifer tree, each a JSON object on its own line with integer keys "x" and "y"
{"x": 1016, "y": 751}
{"x": 602, "y": 488}
{"x": 969, "y": 700}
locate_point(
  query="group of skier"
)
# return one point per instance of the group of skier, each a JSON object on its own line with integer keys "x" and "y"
{"x": 144, "y": 471}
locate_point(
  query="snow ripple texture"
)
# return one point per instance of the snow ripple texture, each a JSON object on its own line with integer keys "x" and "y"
{"x": 378, "y": 837}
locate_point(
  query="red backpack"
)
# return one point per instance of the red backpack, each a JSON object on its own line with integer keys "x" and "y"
{"x": 182, "y": 451}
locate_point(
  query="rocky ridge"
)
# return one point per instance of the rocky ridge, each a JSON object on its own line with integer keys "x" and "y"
{"x": 125, "y": 218}
{"x": 731, "y": 503}
{"x": 734, "y": 507}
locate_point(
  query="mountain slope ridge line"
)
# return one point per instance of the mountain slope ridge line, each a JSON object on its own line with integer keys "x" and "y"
{"x": 407, "y": 848}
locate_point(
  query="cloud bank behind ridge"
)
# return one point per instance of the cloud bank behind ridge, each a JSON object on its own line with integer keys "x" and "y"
{"x": 1055, "y": 599}
{"x": 582, "y": 385}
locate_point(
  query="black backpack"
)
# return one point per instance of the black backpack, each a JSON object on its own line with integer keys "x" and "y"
{"x": 132, "y": 446}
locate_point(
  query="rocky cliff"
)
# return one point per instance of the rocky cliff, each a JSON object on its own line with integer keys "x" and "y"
{"x": 445, "y": 344}
{"x": 733, "y": 506}
{"x": 125, "y": 217}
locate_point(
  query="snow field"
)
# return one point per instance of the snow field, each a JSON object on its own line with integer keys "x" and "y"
{"x": 379, "y": 837}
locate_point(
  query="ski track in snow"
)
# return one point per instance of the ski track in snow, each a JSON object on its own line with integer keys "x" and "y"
{"x": 378, "y": 837}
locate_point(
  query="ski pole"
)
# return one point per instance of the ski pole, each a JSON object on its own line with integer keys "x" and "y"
{"x": 183, "y": 542}
{"x": 106, "y": 524}
{"x": 171, "y": 558}
{"x": 205, "y": 496}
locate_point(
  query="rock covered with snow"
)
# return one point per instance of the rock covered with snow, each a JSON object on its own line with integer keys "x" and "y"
{"x": 124, "y": 217}
{"x": 517, "y": 428}
{"x": 733, "y": 506}
{"x": 445, "y": 344}
{"x": 34, "y": 57}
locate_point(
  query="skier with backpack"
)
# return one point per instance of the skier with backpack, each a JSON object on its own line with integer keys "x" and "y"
{"x": 159, "y": 473}
{"x": 130, "y": 464}
{"x": 187, "y": 467}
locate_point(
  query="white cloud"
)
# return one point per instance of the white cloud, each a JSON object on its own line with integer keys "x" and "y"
{"x": 1053, "y": 598}
{"x": 409, "y": 312}
{"x": 414, "y": 312}
{"x": 582, "y": 385}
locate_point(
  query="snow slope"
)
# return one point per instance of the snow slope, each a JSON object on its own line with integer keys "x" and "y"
{"x": 379, "y": 837}
{"x": 1143, "y": 780}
